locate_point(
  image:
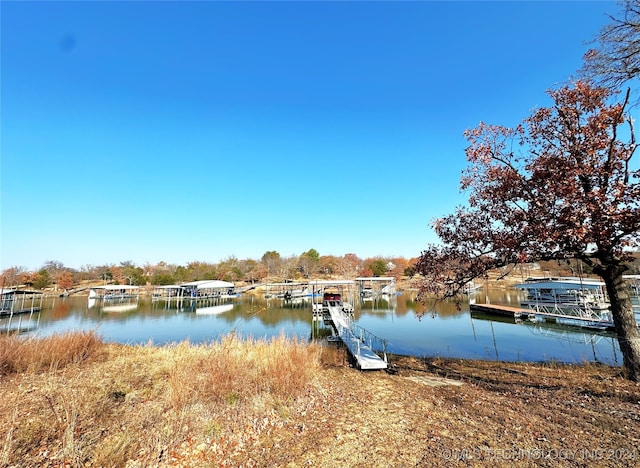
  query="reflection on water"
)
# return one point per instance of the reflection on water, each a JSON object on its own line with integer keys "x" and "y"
{"x": 23, "y": 323}
{"x": 407, "y": 326}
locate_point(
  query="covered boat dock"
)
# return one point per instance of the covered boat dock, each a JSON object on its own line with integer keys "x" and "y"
{"x": 113, "y": 292}
{"x": 19, "y": 301}
{"x": 373, "y": 286}
{"x": 194, "y": 290}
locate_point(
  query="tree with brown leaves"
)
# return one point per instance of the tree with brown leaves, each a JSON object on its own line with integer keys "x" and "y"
{"x": 558, "y": 186}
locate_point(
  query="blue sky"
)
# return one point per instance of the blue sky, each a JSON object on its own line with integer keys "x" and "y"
{"x": 174, "y": 131}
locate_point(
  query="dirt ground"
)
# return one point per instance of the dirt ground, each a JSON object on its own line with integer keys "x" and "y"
{"x": 466, "y": 413}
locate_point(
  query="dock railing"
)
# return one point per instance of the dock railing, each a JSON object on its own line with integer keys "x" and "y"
{"x": 363, "y": 344}
{"x": 375, "y": 343}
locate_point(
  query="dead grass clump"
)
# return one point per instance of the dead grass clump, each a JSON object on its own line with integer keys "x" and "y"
{"x": 333, "y": 356}
{"x": 287, "y": 365}
{"x": 115, "y": 449}
{"x": 237, "y": 369}
{"x": 19, "y": 354}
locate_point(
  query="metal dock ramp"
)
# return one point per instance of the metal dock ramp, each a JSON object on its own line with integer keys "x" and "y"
{"x": 362, "y": 352}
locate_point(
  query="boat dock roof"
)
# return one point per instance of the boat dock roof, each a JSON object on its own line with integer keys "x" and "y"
{"x": 376, "y": 278}
{"x": 116, "y": 287}
{"x": 332, "y": 283}
{"x": 207, "y": 284}
{"x": 19, "y": 291}
{"x": 561, "y": 283}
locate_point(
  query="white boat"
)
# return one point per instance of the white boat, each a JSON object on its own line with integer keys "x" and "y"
{"x": 288, "y": 290}
{"x": 296, "y": 293}
{"x": 574, "y": 301}
{"x": 366, "y": 293}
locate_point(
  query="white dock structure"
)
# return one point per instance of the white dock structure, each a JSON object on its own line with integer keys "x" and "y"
{"x": 338, "y": 312}
{"x": 373, "y": 286}
{"x": 195, "y": 290}
{"x": 114, "y": 297}
{"x": 572, "y": 301}
{"x": 18, "y": 301}
{"x": 287, "y": 290}
{"x": 113, "y": 292}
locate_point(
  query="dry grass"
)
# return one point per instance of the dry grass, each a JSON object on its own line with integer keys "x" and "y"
{"x": 72, "y": 400}
{"x": 142, "y": 403}
{"x": 51, "y": 353}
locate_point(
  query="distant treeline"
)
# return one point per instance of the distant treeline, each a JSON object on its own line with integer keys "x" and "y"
{"x": 272, "y": 265}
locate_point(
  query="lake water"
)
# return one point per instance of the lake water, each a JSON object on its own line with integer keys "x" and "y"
{"x": 448, "y": 333}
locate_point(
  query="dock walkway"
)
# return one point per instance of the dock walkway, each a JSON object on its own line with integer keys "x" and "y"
{"x": 362, "y": 352}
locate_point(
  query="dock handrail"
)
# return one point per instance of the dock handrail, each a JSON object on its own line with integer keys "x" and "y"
{"x": 375, "y": 343}
{"x": 350, "y": 332}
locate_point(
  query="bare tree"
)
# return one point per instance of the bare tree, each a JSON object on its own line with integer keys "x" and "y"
{"x": 616, "y": 60}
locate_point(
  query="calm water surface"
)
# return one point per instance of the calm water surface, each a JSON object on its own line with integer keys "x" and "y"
{"x": 447, "y": 333}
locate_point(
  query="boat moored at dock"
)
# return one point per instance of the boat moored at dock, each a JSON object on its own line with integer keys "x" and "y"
{"x": 371, "y": 287}
{"x": 287, "y": 290}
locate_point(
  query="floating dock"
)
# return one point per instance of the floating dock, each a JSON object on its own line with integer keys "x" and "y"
{"x": 554, "y": 315}
{"x": 505, "y": 311}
